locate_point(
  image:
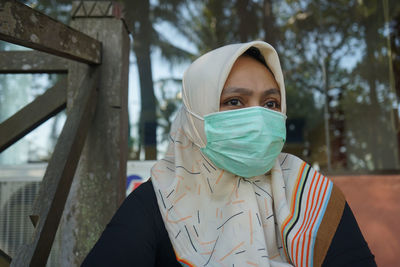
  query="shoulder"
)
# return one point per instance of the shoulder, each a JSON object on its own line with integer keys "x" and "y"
{"x": 298, "y": 177}
{"x": 304, "y": 182}
{"x": 286, "y": 159}
{"x": 144, "y": 191}
{"x": 141, "y": 203}
{"x": 291, "y": 164}
{"x": 131, "y": 237}
{"x": 144, "y": 194}
{"x": 348, "y": 246}
{"x": 296, "y": 171}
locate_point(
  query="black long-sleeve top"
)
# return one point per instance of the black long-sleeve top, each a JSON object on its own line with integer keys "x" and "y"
{"x": 136, "y": 236}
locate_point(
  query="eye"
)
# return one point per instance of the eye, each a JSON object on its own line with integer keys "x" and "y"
{"x": 233, "y": 102}
{"x": 272, "y": 104}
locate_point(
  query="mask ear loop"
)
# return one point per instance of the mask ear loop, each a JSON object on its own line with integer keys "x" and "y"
{"x": 194, "y": 128}
{"x": 193, "y": 114}
{"x": 197, "y": 133}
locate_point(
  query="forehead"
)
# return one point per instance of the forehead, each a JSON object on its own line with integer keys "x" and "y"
{"x": 251, "y": 74}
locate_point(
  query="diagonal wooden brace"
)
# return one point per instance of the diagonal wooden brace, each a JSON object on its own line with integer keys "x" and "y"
{"x": 32, "y": 115}
{"x": 57, "y": 180}
{"x": 5, "y": 259}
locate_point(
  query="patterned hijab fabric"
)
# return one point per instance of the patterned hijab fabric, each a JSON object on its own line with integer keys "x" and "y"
{"x": 286, "y": 217}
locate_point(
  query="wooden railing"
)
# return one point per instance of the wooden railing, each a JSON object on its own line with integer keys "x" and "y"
{"x": 86, "y": 88}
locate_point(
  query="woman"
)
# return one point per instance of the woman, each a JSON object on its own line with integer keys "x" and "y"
{"x": 224, "y": 195}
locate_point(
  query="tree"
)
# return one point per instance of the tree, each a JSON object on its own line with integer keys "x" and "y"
{"x": 318, "y": 36}
{"x": 142, "y": 16}
{"x": 395, "y": 57}
{"x": 372, "y": 76}
{"x": 59, "y": 9}
{"x": 212, "y": 23}
{"x": 168, "y": 104}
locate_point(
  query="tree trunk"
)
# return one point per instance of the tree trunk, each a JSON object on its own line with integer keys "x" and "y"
{"x": 270, "y": 30}
{"x": 382, "y": 137}
{"x": 243, "y": 16}
{"x": 142, "y": 49}
{"x": 395, "y": 47}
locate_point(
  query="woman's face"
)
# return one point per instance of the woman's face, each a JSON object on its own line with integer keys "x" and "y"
{"x": 250, "y": 84}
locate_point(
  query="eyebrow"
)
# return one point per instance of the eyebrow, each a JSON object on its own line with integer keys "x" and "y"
{"x": 246, "y": 91}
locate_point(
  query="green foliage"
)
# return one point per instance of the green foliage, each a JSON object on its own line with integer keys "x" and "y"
{"x": 214, "y": 23}
{"x": 168, "y": 104}
{"x": 59, "y": 9}
{"x": 333, "y": 50}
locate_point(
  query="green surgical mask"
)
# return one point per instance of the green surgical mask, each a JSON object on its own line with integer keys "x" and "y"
{"x": 246, "y": 141}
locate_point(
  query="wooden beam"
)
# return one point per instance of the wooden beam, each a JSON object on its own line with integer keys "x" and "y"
{"x": 31, "y": 62}
{"x": 22, "y": 25}
{"x": 59, "y": 174}
{"x": 33, "y": 114}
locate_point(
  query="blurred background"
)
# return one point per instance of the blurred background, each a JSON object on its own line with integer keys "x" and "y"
{"x": 341, "y": 63}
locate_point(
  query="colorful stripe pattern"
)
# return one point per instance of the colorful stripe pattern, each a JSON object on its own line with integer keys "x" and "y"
{"x": 310, "y": 197}
{"x": 215, "y": 218}
{"x": 183, "y": 262}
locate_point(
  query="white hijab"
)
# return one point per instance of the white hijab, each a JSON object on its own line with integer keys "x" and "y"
{"x": 213, "y": 217}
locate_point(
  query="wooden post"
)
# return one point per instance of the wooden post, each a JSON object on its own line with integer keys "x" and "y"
{"x": 100, "y": 180}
